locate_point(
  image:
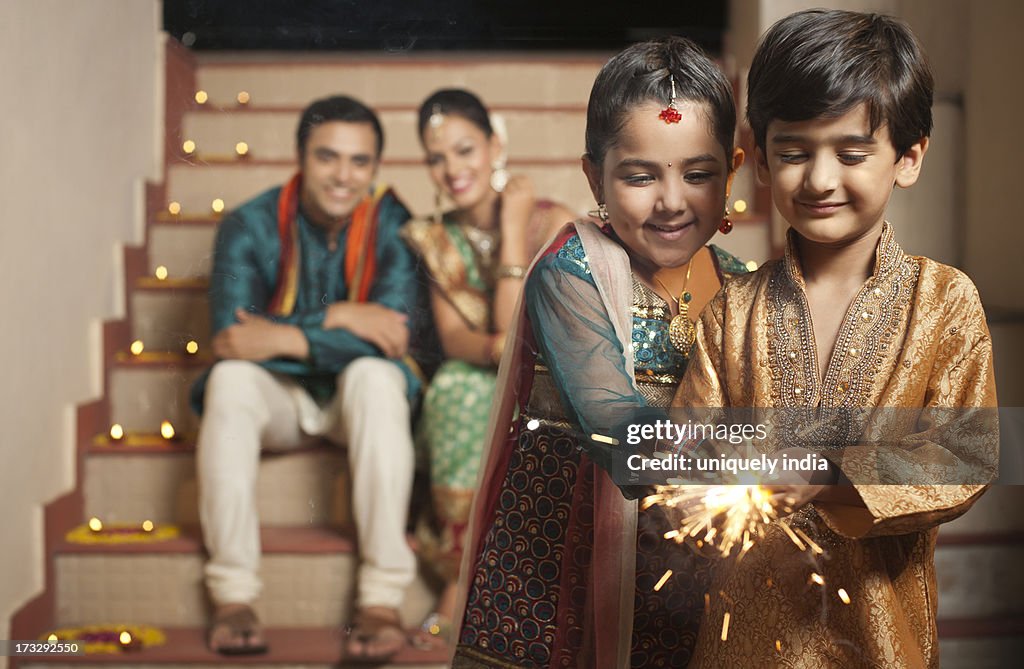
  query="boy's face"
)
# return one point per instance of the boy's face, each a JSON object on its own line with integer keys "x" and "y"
{"x": 338, "y": 166}
{"x": 831, "y": 178}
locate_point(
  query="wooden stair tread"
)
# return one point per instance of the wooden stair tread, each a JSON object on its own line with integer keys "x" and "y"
{"x": 299, "y": 645}
{"x": 166, "y": 218}
{"x": 283, "y": 540}
{"x": 188, "y": 283}
{"x": 161, "y": 359}
{"x": 152, "y": 443}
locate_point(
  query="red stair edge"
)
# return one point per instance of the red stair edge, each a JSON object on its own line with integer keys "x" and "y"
{"x": 62, "y": 514}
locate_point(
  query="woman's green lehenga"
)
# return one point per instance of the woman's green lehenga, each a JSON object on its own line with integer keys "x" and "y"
{"x": 457, "y": 403}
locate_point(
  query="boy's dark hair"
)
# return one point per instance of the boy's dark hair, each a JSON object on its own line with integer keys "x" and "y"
{"x": 640, "y": 74}
{"x": 336, "y": 108}
{"x": 456, "y": 102}
{"x": 823, "y": 63}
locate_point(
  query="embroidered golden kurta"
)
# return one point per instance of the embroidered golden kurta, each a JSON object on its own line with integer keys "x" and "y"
{"x": 914, "y": 337}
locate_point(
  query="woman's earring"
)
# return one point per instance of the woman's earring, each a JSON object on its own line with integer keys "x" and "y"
{"x": 499, "y": 175}
{"x": 725, "y": 227}
{"x": 601, "y": 213}
{"x": 438, "y": 213}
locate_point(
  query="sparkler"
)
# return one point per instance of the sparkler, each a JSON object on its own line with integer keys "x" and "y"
{"x": 727, "y": 518}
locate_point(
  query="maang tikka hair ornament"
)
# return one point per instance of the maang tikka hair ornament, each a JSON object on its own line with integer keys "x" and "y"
{"x": 436, "y": 120}
{"x": 670, "y": 114}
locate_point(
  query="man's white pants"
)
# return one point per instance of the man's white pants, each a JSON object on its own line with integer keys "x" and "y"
{"x": 246, "y": 407}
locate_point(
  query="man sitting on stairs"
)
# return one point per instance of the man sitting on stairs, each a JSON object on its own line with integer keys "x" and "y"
{"x": 310, "y": 293}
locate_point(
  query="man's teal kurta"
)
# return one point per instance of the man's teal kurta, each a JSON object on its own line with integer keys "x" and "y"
{"x": 246, "y": 259}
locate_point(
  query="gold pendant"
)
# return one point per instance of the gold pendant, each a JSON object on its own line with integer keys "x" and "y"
{"x": 682, "y": 332}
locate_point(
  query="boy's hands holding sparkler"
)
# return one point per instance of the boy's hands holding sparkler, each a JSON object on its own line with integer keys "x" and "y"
{"x": 793, "y": 489}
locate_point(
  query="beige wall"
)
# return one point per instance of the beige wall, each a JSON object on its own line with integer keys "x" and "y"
{"x": 79, "y": 97}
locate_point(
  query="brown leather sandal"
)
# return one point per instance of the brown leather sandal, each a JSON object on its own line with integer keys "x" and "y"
{"x": 242, "y": 625}
{"x": 375, "y": 625}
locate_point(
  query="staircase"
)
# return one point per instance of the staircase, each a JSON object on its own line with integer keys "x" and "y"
{"x": 309, "y": 563}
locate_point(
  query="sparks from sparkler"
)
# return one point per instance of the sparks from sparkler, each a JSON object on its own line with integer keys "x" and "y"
{"x": 727, "y": 516}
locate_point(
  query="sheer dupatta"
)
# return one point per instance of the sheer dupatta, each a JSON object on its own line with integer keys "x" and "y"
{"x": 611, "y": 584}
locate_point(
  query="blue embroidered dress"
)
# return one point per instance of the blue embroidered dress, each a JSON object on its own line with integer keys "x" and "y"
{"x": 528, "y": 594}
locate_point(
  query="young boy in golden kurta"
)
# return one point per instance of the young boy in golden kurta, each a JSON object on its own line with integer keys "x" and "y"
{"x": 840, "y": 105}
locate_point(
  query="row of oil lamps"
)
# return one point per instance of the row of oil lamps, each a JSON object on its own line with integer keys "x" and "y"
{"x": 125, "y": 640}
{"x": 188, "y": 147}
{"x": 166, "y": 431}
{"x": 137, "y": 347}
{"x": 243, "y": 98}
{"x": 241, "y": 148}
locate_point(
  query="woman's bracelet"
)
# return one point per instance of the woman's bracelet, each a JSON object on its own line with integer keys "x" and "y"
{"x": 511, "y": 271}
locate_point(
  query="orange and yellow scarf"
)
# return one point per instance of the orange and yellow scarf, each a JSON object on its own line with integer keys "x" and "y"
{"x": 360, "y": 254}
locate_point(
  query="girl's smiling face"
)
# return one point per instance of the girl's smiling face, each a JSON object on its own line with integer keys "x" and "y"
{"x": 664, "y": 185}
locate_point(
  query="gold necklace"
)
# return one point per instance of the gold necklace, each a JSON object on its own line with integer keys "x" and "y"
{"x": 484, "y": 243}
{"x": 681, "y": 330}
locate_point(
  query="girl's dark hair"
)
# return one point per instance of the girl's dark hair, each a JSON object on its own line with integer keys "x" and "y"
{"x": 641, "y": 74}
{"x": 336, "y": 108}
{"x": 456, "y": 102}
{"x": 823, "y": 63}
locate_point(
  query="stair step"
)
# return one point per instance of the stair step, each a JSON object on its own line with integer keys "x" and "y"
{"x": 186, "y": 251}
{"x": 161, "y": 360}
{"x": 195, "y": 187}
{"x": 997, "y": 511}
{"x": 292, "y": 540}
{"x": 303, "y": 648}
{"x": 186, "y": 284}
{"x": 981, "y": 644}
{"x": 979, "y": 581}
{"x": 551, "y": 79}
{"x": 308, "y": 581}
{"x": 166, "y": 320}
{"x": 536, "y": 133}
{"x": 140, "y": 442}
{"x": 303, "y": 487}
{"x": 148, "y": 389}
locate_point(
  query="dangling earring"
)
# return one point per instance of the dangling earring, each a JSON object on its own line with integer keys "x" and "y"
{"x": 601, "y": 213}
{"x": 725, "y": 227}
{"x": 499, "y": 175}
